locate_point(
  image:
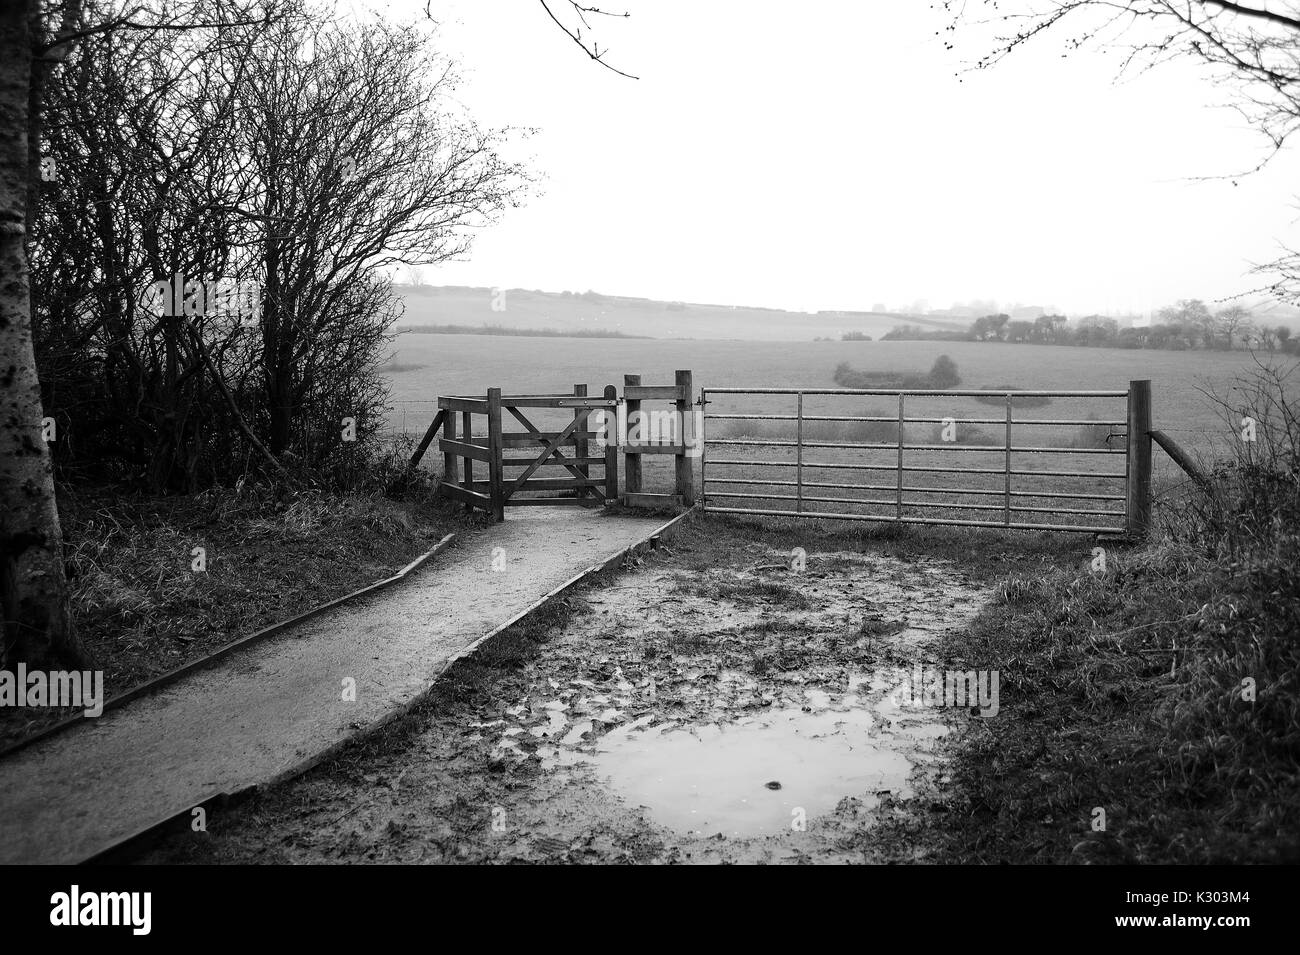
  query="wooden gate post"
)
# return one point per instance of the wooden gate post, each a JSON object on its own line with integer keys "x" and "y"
{"x": 631, "y": 459}
{"x": 580, "y": 445}
{"x": 685, "y": 470}
{"x": 496, "y": 466}
{"x": 611, "y": 446}
{"x": 1138, "y": 511}
{"x": 450, "y": 464}
{"x": 467, "y": 425}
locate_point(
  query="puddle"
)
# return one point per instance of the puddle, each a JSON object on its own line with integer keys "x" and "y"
{"x": 704, "y": 780}
{"x": 710, "y": 776}
{"x": 750, "y": 726}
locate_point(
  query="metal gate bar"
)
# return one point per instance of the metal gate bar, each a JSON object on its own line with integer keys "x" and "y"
{"x": 761, "y": 512}
{"x": 1015, "y": 505}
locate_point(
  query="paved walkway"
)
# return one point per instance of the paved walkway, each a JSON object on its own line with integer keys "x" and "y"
{"x": 263, "y": 711}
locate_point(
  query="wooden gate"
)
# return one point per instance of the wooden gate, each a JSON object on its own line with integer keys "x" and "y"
{"x": 511, "y": 460}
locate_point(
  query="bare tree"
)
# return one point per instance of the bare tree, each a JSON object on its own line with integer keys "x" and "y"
{"x": 33, "y": 588}
{"x": 361, "y": 164}
{"x": 34, "y": 39}
{"x": 1233, "y": 323}
{"x": 167, "y": 175}
{"x": 1284, "y": 273}
{"x": 1194, "y": 319}
{"x": 1252, "y": 47}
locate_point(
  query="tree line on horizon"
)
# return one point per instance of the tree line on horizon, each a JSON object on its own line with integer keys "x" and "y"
{"x": 1187, "y": 325}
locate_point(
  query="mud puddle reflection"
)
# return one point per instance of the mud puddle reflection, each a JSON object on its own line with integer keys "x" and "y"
{"x": 758, "y": 776}
{"x": 769, "y": 725}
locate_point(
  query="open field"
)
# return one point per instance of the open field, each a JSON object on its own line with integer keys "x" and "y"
{"x": 470, "y": 364}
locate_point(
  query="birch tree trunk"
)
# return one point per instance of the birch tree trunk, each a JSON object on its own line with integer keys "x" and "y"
{"x": 33, "y": 589}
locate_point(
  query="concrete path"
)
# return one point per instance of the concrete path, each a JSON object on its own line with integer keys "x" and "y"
{"x": 264, "y": 711}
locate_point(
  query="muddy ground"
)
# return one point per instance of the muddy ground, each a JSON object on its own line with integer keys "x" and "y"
{"x": 710, "y": 704}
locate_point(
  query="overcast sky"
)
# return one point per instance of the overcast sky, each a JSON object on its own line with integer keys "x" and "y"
{"x": 826, "y": 155}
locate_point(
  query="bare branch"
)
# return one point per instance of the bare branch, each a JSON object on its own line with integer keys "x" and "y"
{"x": 592, "y": 51}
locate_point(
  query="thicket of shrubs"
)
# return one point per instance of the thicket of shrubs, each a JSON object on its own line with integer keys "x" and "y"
{"x": 209, "y": 277}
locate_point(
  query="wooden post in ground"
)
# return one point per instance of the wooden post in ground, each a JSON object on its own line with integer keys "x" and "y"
{"x": 450, "y": 467}
{"x": 1138, "y": 511}
{"x": 467, "y": 424}
{"x": 611, "y": 448}
{"x": 632, "y": 459}
{"x": 495, "y": 453}
{"x": 685, "y": 469}
{"x": 580, "y": 444}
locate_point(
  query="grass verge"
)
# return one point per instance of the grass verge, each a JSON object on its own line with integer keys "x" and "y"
{"x": 142, "y": 608}
{"x": 1150, "y": 702}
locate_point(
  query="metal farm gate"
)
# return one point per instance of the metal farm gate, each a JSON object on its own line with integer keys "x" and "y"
{"x": 821, "y": 453}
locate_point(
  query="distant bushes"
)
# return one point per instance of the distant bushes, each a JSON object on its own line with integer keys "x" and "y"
{"x": 942, "y": 374}
{"x": 846, "y": 376}
{"x": 1187, "y": 325}
{"x": 914, "y": 333}
{"x": 397, "y": 367}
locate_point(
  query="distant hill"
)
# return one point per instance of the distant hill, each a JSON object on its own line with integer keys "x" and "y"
{"x": 437, "y": 308}
{"x": 593, "y": 313}
{"x": 592, "y": 332}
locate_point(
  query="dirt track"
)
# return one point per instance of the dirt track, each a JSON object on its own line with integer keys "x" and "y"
{"x": 685, "y": 712}
{"x": 263, "y": 711}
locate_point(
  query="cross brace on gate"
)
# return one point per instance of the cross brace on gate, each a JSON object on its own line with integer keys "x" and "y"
{"x": 547, "y": 444}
